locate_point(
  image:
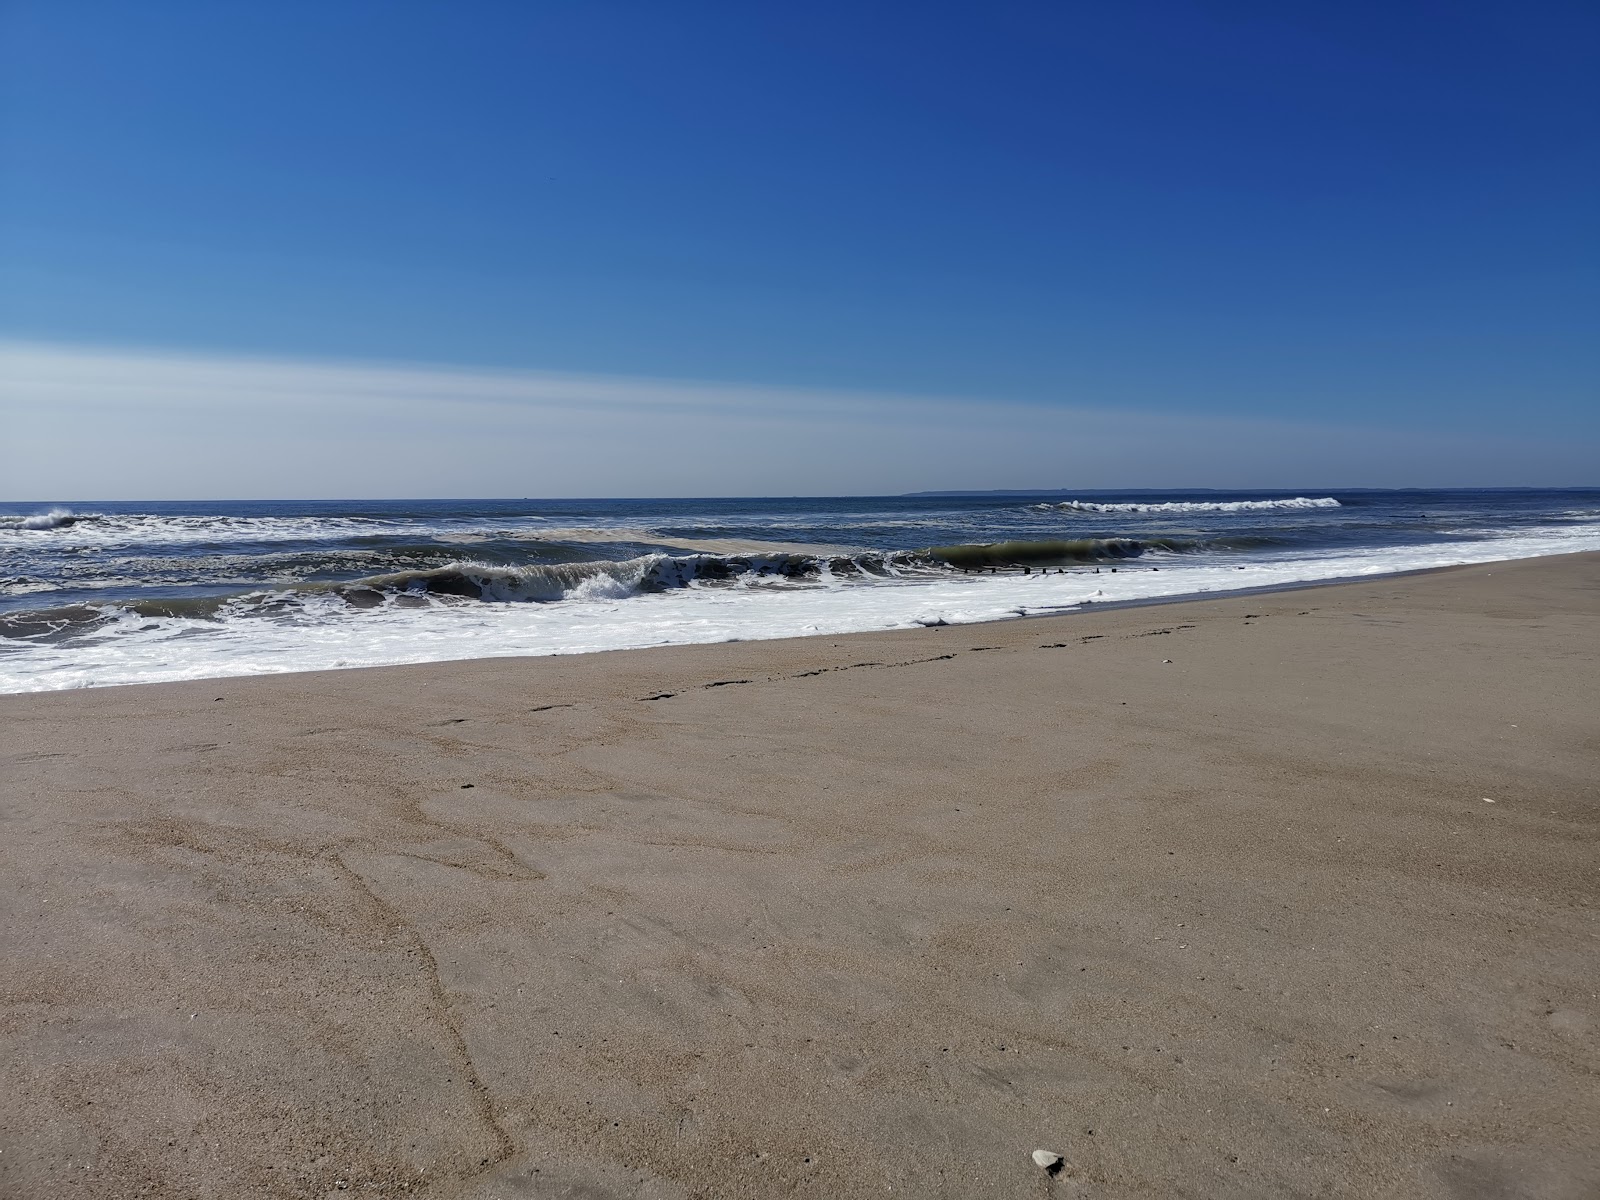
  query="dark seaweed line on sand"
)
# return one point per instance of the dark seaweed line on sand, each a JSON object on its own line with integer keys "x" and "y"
{"x": 889, "y": 666}
{"x": 1095, "y": 637}
{"x": 1080, "y": 641}
{"x": 882, "y": 666}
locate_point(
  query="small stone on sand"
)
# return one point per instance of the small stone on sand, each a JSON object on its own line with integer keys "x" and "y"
{"x": 1049, "y": 1160}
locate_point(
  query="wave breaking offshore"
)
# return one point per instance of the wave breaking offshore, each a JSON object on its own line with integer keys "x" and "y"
{"x": 592, "y": 580}
{"x": 1197, "y": 506}
{"x": 56, "y": 518}
{"x": 111, "y": 592}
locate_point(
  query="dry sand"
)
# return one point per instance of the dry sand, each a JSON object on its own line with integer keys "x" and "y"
{"x": 847, "y": 916}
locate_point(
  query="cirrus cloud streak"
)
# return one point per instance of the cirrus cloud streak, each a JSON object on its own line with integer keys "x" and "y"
{"x": 102, "y": 423}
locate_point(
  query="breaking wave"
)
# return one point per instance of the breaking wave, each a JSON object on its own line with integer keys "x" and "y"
{"x": 1198, "y": 506}
{"x": 99, "y": 593}
{"x": 56, "y": 518}
{"x": 1029, "y": 554}
{"x": 544, "y": 583}
{"x": 604, "y": 580}
{"x": 103, "y": 530}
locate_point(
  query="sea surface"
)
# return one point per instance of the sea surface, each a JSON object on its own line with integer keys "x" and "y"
{"x": 102, "y": 593}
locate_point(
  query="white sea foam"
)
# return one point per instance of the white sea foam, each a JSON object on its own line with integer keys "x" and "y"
{"x": 603, "y": 612}
{"x": 67, "y": 530}
{"x": 117, "y": 531}
{"x": 56, "y": 518}
{"x": 1198, "y": 506}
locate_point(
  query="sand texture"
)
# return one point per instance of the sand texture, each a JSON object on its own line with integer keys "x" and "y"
{"x": 846, "y": 916}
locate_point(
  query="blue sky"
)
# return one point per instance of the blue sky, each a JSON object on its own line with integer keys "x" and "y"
{"x": 1376, "y": 216}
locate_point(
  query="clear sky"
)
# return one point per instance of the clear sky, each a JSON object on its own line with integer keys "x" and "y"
{"x": 1375, "y": 218}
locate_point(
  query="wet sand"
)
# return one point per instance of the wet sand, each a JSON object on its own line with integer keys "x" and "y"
{"x": 845, "y": 916}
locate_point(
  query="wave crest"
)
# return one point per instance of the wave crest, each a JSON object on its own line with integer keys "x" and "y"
{"x": 606, "y": 580}
{"x": 1012, "y": 554}
{"x": 1198, "y": 506}
{"x": 547, "y": 582}
{"x": 56, "y": 518}
{"x": 598, "y": 580}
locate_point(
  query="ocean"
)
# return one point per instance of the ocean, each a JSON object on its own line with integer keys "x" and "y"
{"x": 109, "y": 593}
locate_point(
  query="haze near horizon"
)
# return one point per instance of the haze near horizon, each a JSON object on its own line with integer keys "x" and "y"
{"x": 365, "y": 250}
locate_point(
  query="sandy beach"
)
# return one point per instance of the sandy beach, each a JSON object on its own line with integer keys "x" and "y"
{"x": 1262, "y": 896}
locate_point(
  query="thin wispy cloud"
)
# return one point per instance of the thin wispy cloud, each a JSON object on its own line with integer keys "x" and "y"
{"x": 101, "y": 423}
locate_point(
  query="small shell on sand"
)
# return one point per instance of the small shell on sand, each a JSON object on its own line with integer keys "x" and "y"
{"x": 1047, "y": 1159}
